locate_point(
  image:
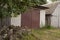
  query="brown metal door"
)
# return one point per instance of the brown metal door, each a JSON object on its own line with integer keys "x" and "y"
{"x": 35, "y": 18}
{"x": 26, "y": 19}
{"x": 31, "y": 18}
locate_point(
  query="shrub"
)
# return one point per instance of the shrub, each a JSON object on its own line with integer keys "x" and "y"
{"x": 14, "y": 33}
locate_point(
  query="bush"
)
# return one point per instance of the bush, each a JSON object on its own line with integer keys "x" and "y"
{"x": 14, "y": 33}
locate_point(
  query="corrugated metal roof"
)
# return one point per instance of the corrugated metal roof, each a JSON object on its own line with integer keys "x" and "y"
{"x": 52, "y": 7}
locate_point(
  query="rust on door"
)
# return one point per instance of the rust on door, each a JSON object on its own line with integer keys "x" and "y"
{"x": 31, "y": 18}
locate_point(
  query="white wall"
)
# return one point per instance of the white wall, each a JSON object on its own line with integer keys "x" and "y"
{"x": 55, "y": 19}
{"x": 42, "y": 18}
{"x": 16, "y": 21}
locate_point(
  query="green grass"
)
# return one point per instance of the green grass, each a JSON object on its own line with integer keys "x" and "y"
{"x": 44, "y": 34}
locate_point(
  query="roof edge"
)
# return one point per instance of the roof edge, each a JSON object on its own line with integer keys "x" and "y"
{"x": 41, "y": 7}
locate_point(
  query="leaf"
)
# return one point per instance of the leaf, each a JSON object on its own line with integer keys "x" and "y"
{"x": 17, "y": 6}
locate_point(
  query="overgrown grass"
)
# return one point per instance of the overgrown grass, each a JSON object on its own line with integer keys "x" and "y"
{"x": 33, "y": 34}
{"x": 47, "y": 27}
{"x": 47, "y": 34}
{"x": 43, "y": 34}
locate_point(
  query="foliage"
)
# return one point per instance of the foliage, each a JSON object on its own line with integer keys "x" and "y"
{"x": 17, "y": 33}
{"x": 53, "y": 0}
{"x": 15, "y": 7}
{"x": 20, "y": 33}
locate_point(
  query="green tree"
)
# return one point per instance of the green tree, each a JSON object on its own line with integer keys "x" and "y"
{"x": 8, "y": 7}
{"x": 16, "y": 7}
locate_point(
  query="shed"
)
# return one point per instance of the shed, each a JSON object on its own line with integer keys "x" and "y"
{"x": 53, "y": 14}
{"x": 52, "y": 6}
{"x": 31, "y": 18}
{"x": 34, "y": 17}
